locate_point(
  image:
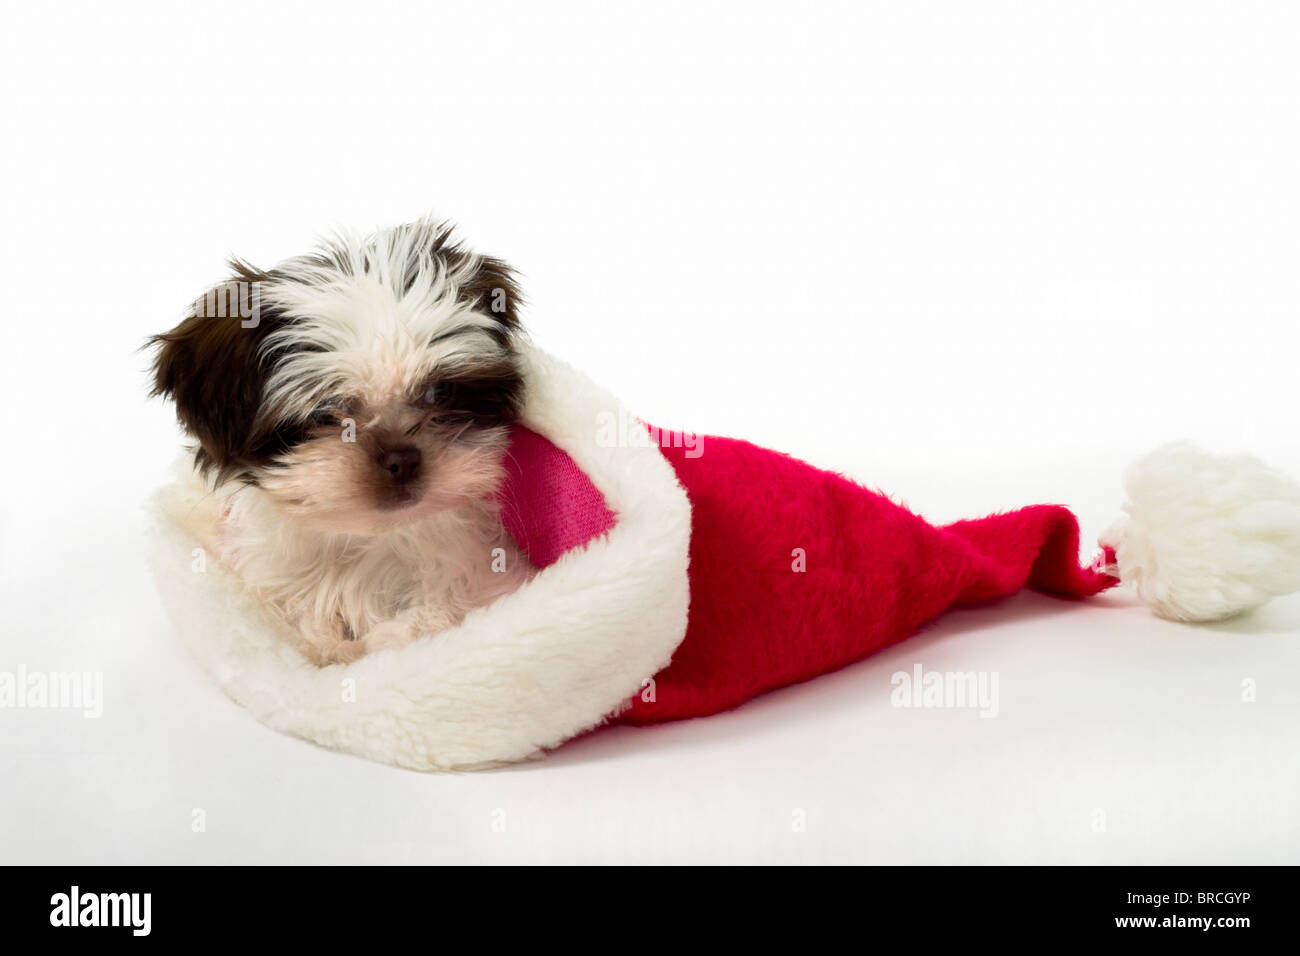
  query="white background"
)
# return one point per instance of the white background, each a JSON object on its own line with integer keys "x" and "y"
{"x": 976, "y": 254}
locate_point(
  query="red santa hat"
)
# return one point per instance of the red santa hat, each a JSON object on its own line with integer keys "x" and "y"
{"x": 796, "y": 571}
{"x": 680, "y": 576}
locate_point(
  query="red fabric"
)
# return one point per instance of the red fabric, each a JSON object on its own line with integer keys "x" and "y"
{"x": 873, "y": 571}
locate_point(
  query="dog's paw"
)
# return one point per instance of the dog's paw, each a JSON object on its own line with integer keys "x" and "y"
{"x": 333, "y": 643}
{"x": 337, "y": 652}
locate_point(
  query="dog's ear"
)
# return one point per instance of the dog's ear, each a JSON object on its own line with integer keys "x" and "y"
{"x": 494, "y": 288}
{"x": 212, "y": 366}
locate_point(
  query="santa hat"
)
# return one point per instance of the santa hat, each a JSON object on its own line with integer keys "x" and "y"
{"x": 682, "y": 575}
{"x": 796, "y": 571}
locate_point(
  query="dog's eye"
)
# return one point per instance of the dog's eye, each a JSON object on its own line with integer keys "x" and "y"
{"x": 437, "y": 394}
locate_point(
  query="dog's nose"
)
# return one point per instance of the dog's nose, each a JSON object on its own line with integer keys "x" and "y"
{"x": 403, "y": 464}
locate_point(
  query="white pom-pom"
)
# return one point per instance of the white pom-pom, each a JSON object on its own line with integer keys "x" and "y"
{"x": 1206, "y": 537}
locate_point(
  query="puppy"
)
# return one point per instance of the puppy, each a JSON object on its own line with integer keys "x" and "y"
{"x": 351, "y": 409}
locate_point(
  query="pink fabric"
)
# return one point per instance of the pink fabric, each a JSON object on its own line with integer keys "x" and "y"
{"x": 547, "y": 504}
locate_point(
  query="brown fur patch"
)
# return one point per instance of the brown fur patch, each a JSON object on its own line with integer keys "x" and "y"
{"x": 212, "y": 368}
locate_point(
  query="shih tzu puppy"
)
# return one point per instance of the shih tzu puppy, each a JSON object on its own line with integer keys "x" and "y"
{"x": 351, "y": 409}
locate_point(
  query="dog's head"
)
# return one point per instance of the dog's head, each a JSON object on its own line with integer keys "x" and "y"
{"x": 362, "y": 387}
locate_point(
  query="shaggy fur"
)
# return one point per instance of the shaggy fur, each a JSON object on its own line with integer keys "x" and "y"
{"x": 352, "y": 407}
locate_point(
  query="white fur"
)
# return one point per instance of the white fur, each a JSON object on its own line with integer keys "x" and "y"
{"x": 366, "y": 275}
{"x": 1206, "y": 537}
{"x": 525, "y": 673}
{"x": 362, "y": 327}
{"x": 431, "y": 572}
